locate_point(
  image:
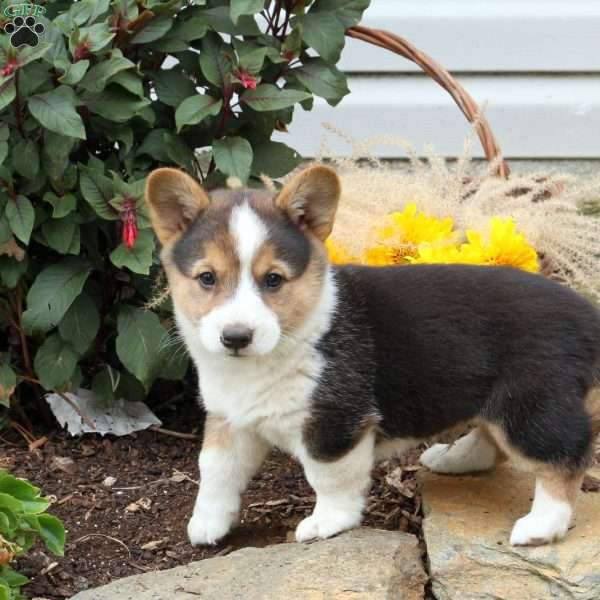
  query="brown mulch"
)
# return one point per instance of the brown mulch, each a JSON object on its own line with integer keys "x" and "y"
{"x": 126, "y": 501}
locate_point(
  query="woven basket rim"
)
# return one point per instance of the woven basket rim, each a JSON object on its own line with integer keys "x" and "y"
{"x": 466, "y": 103}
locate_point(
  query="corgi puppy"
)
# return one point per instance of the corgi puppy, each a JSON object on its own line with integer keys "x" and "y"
{"x": 343, "y": 366}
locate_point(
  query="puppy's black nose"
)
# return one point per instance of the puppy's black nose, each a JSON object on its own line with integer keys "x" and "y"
{"x": 236, "y": 337}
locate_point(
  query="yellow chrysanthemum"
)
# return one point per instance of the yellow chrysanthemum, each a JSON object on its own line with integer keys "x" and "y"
{"x": 398, "y": 239}
{"x": 339, "y": 254}
{"x": 505, "y": 247}
{"x": 448, "y": 254}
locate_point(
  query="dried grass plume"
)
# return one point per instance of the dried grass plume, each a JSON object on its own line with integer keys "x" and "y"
{"x": 546, "y": 207}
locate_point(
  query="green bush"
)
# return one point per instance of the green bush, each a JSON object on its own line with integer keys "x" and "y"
{"x": 23, "y": 520}
{"x": 85, "y": 115}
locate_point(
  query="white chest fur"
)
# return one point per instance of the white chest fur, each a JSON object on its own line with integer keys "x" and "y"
{"x": 269, "y": 394}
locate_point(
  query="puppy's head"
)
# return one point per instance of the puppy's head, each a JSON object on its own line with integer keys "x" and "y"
{"x": 245, "y": 267}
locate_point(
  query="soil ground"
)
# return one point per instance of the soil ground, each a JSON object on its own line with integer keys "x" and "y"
{"x": 126, "y": 501}
{"x": 139, "y": 522}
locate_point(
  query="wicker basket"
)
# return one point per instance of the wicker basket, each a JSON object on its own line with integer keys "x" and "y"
{"x": 468, "y": 106}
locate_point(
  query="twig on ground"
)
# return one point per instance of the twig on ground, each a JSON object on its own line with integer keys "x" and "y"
{"x": 101, "y": 535}
{"x": 177, "y": 434}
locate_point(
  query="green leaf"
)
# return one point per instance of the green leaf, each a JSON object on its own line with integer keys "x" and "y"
{"x": 28, "y": 495}
{"x": 12, "y": 578}
{"x": 7, "y": 92}
{"x": 55, "y": 362}
{"x": 9, "y": 502}
{"x": 274, "y": 159}
{"x": 97, "y": 77}
{"x": 253, "y": 61}
{"x": 191, "y": 29}
{"x": 130, "y": 81}
{"x": 61, "y": 205}
{"x": 270, "y": 97}
{"x": 5, "y": 593}
{"x": 59, "y": 234}
{"x": 11, "y": 270}
{"x": 325, "y": 33}
{"x": 55, "y": 153}
{"x": 3, "y": 151}
{"x": 8, "y": 383}
{"x": 173, "y": 87}
{"x": 55, "y": 110}
{"x": 233, "y": 156}
{"x": 80, "y": 324}
{"x": 52, "y": 532}
{"x": 53, "y": 292}
{"x": 28, "y": 54}
{"x": 195, "y": 109}
{"x": 219, "y": 19}
{"x": 323, "y": 80}
{"x": 105, "y": 384}
{"x": 73, "y": 72}
{"x": 153, "y": 30}
{"x": 98, "y": 191}
{"x": 347, "y": 12}
{"x": 178, "y": 151}
{"x": 154, "y": 145}
{"x": 26, "y": 159}
{"x": 173, "y": 361}
{"x": 216, "y": 60}
{"x": 139, "y": 342}
{"x": 98, "y": 35}
{"x": 20, "y": 215}
{"x": 245, "y": 7}
{"x": 115, "y": 104}
{"x": 137, "y": 259}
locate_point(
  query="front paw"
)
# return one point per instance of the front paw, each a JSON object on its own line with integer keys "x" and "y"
{"x": 208, "y": 529}
{"x": 325, "y": 524}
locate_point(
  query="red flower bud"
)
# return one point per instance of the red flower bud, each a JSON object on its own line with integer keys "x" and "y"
{"x": 10, "y": 67}
{"x": 288, "y": 55}
{"x": 130, "y": 228}
{"x": 246, "y": 79}
{"x": 82, "y": 50}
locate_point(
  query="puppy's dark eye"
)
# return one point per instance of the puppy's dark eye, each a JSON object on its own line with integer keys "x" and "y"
{"x": 273, "y": 280}
{"x": 207, "y": 279}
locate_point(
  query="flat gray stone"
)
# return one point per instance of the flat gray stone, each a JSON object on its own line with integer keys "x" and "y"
{"x": 468, "y": 520}
{"x": 363, "y": 564}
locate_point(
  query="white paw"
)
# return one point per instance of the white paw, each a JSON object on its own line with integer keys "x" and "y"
{"x": 436, "y": 458}
{"x": 208, "y": 529}
{"x": 469, "y": 454}
{"x": 535, "y": 529}
{"x": 325, "y": 524}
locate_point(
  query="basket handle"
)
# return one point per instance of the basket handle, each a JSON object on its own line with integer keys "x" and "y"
{"x": 468, "y": 106}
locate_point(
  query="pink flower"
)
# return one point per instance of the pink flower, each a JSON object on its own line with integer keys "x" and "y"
{"x": 247, "y": 80}
{"x": 130, "y": 228}
{"x": 10, "y": 67}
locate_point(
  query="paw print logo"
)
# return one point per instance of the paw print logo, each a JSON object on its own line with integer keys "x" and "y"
{"x": 24, "y": 31}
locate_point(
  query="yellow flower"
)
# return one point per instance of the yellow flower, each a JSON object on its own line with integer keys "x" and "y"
{"x": 505, "y": 247}
{"x": 399, "y": 237}
{"x": 449, "y": 254}
{"x": 338, "y": 253}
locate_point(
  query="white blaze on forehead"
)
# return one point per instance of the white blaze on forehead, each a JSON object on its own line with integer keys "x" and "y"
{"x": 249, "y": 232}
{"x": 245, "y": 306}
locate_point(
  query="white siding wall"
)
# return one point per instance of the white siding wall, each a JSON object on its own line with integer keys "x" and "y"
{"x": 534, "y": 65}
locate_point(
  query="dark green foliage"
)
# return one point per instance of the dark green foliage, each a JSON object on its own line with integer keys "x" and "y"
{"x": 113, "y": 90}
{"x": 23, "y": 520}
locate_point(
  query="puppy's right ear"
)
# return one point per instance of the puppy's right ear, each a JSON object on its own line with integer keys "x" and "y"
{"x": 175, "y": 199}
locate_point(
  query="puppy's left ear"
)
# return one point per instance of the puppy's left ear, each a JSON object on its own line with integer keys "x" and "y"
{"x": 311, "y": 199}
